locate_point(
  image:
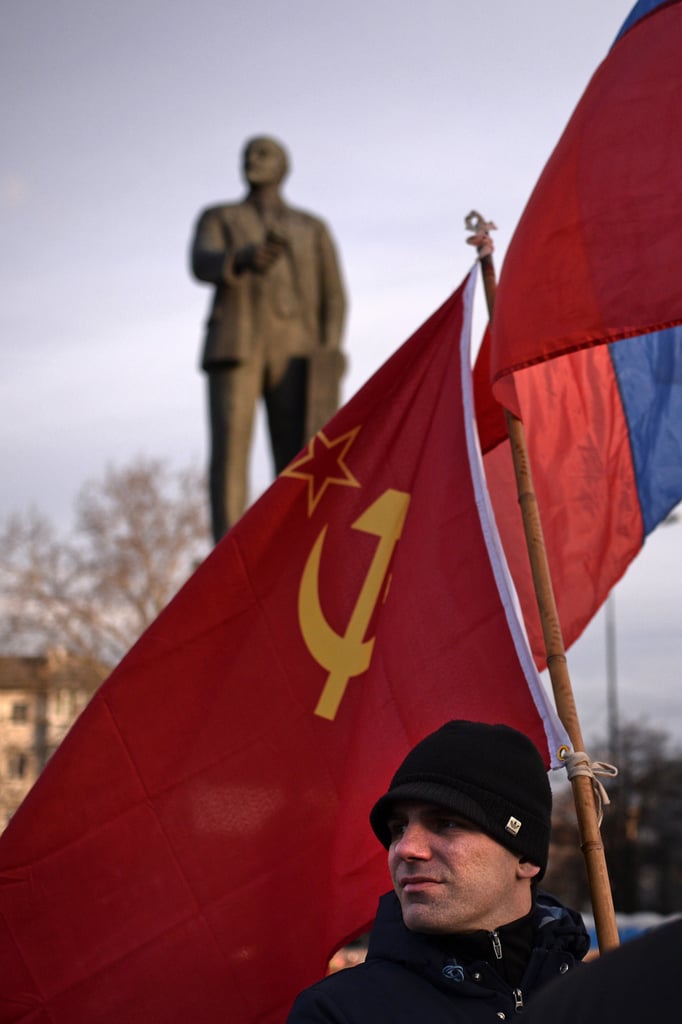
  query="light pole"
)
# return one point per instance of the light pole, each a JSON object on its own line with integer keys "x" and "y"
{"x": 612, "y": 713}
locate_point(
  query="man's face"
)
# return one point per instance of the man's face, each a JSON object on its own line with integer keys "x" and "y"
{"x": 449, "y": 876}
{"x": 264, "y": 162}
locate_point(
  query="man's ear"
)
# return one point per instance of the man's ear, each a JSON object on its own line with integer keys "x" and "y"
{"x": 525, "y": 869}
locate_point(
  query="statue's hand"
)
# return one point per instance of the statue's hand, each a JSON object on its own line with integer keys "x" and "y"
{"x": 259, "y": 256}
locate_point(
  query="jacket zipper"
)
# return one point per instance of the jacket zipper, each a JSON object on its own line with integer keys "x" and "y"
{"x": 497, "y": 949}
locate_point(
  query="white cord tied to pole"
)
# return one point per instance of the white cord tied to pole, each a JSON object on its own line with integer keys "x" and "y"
{"x": 578, "y": 763}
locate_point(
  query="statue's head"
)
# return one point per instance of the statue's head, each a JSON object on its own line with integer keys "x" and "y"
{"x": 265, "y": 161}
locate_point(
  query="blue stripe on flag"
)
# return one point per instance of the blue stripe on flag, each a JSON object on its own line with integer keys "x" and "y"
{"x": 639, "y": 11}
{"x": 649, "y": 374}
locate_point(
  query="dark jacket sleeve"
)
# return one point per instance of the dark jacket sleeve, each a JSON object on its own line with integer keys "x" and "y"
{"x": 313, "y": 1007}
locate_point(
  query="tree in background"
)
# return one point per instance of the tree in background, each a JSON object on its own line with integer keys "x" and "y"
{"x": 642, "y": 829}
{"x": 643, "y": 835}
{"x": 139, "y": 532}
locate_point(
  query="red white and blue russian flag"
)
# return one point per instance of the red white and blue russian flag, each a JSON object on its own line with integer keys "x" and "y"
{"x": 586, "y": 343}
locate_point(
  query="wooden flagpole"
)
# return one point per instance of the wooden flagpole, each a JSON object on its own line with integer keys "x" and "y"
{"x": 583, "y": 792}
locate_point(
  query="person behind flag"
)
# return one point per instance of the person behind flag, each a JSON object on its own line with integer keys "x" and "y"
{"x": 466, "y": 822}
{"x": 638, "y": 981}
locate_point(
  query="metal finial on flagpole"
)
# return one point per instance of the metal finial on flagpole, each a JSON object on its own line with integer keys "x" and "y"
{"x": 476, "y": 222}
{"x": 481, "y": 238}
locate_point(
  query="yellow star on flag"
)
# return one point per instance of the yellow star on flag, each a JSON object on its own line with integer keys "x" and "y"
{"x": 322, "y": 464}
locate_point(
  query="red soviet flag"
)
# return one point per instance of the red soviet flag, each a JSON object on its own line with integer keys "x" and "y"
{"x": 199, "y": 846}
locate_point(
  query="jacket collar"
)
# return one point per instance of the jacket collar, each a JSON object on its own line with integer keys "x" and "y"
{"x": 550, "y": 925}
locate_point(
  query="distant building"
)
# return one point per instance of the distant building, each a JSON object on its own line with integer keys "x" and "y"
{"x": 40, "y": 698}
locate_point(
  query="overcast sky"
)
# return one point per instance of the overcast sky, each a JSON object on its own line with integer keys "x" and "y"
{"x": 121, "y": 120}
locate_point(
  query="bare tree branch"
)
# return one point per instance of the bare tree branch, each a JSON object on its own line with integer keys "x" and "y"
{"x": 139, "y": 533}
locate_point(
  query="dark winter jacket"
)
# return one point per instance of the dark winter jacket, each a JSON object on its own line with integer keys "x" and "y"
{"x": 410, "y": 977}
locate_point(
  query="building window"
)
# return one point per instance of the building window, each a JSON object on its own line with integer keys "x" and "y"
{"x": 17, "y": 766}
{"x": 20, "y": 712}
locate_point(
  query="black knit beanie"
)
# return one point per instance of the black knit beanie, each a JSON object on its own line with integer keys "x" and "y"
{"x": 492, "y": 775}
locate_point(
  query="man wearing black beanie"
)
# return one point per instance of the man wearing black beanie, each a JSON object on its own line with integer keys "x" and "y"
{"x": 465, "y": 934}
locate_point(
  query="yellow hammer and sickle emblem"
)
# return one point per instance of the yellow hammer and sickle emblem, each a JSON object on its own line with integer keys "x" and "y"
{"x": 349, "y": 655}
